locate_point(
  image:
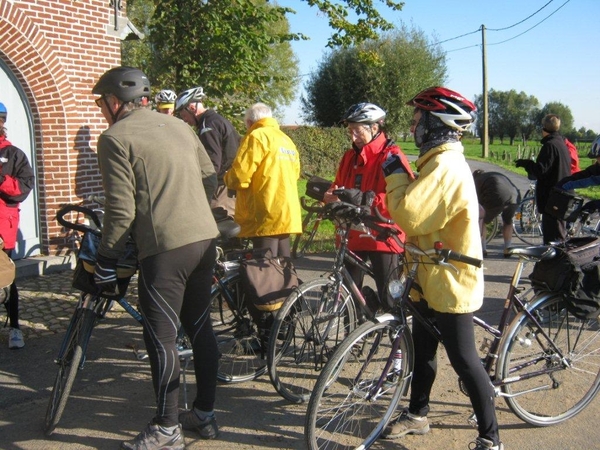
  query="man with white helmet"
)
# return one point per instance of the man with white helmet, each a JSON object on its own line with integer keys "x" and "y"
{"x": 219, "y": 137}
{"x": 165, "y": 102}
{"x": 441, "y": 205}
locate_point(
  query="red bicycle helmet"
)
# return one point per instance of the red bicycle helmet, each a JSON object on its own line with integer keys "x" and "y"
{"x": 451, "y": 107}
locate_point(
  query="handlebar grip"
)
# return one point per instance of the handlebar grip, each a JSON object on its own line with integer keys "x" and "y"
{"x": 463, "y": 258}
{"x": 311, "y": 208}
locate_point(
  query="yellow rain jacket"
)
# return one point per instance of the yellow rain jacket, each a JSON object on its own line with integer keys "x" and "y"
{"x": 441, "y": 205}
{"x": 264, "y": 175}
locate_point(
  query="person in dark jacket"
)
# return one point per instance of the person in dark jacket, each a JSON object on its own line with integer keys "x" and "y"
{"x": 16, "y": 182}
{"x": 552, "y": 165}
{"x": 161, "y": 199}
{"x": 218, "y": 136}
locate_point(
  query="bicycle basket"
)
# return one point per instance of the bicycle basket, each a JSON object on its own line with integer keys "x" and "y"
{"x": 83, "y": 276}
{"x": 316, "y": 187}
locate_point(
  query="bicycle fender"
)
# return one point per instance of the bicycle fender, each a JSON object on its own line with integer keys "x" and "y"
{"x": 387, "y": 317}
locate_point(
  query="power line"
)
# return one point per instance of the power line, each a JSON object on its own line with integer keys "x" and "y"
{"x": 518, "y": 23}
{"x": 529, "y": 29}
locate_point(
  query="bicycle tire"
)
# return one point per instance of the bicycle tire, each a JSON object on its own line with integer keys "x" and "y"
{"x": 342, "y": 414}
{"x": 527, "y": 222}
{"x": 311, "y": 323}
{"x": 243, "y": 356}
{"x": 68, "y": 366}
{"x": 567, "y": 389}
{"x": 304, "y": 240}
{"x": 492, "y": 229}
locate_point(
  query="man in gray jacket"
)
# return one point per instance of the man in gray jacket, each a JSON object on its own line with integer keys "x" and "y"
{"x": 158, "y": 180}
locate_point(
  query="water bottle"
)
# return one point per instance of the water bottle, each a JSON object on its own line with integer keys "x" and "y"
{"x": 398, "y": 361}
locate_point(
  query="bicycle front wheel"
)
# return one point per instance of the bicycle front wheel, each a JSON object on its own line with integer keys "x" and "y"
{"x": 310, "y": 225}
{"x": 69, "y": 361}
{"x": 527, "y": 222}
{"x": 243, "y": 356}
{"x": 312, "y": 322}
{"x": 491, "y": 229}
{"x": 541, "y": 387}
{"x": 358, "y": 391}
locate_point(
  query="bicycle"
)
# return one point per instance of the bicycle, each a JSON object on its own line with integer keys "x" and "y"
{"x": 226, "y": 314}
{"x": 541, "y": 359}
{"x": 587, "y": 222}
{"x": 315, "y": 318}
{"x": 315, "y": 189}
{"x": 527, "y": 222}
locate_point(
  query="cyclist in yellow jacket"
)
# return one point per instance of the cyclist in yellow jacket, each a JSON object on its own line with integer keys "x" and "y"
{"x": 264, "y": 175}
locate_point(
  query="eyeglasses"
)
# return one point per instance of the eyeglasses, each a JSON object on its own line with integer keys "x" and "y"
{"x": 358, "y": 131}
{"x": 99, "y": 101}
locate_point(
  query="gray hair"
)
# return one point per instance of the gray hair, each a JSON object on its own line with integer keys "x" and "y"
{"x": 256, "y": 112}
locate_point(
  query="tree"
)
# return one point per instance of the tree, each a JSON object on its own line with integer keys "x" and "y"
{"x": 386, "y": 71}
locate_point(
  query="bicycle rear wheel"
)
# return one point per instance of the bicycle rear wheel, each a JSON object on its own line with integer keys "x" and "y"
{"x": 309, "y": 326}
{"x": 310, "y": 225}
{"x": 242, "y": 349}
{"x": 76, "y": 339}
{"x": 546, "y": 390}
{"x": 346, "y": 410}
{"x": 527, "y": 222}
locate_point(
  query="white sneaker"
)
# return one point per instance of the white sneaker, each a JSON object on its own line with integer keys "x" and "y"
{"x": 15, "y": 339}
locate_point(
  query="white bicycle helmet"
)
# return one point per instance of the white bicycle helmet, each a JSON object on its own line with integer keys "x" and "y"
{"x": 595, "y": 149}
{"x": 451, "y": 107}
{"x": 165, "y": 96}
{"x": 193, "y": 95}
{"x": 366, "y": 113}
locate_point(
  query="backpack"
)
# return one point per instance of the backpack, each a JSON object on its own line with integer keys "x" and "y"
{"x": 574, "y": 273}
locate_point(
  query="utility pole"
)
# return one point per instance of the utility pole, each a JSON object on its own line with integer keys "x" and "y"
{"x": 484, "y": 138}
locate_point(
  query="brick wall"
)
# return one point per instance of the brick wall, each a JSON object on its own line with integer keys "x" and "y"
{"x": 57, "y": 49}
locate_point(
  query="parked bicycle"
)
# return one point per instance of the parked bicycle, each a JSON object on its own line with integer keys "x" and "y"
{"x": 315, "y": 189}
{"x": 527, "y": 221}
{"x": 232, "y": 324}
{"x": 541, "y": 359}
{"x": 320, "y": 313}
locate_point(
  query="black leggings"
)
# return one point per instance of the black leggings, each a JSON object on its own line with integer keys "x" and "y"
{"x": 458, "y": 335}
{"x": 279, "y": 245}
{"x": 173, "y": 286}
{"x": 383, "y": 266}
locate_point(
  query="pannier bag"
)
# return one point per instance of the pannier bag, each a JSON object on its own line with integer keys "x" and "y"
{"x": 563, "y": 205}
{"x": 574, "y": 273}
{"x": 83, "y": 276}
{"x": 316, "y": 187}
{"x": 266, "y": 281}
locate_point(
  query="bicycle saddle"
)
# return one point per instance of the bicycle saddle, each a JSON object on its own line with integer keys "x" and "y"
{"x": 537, "y": 253}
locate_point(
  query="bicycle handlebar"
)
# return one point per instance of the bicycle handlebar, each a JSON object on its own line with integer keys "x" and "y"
{"x": 449, "y": 255}
{"x": 62, "y": 212}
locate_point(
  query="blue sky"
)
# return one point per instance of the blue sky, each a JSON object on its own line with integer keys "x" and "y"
{"x": 558, "y": 60}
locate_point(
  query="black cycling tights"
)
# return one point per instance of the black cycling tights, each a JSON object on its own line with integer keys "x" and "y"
{"x": 459, "y": 340}
{"x": 173, "y": 285}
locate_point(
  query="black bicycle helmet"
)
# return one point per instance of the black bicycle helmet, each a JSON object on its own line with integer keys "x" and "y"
{"x": 366, "y": 113}
{"x": 125, "y": 83}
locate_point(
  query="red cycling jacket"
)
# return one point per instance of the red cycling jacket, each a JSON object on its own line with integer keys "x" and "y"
{"x": 362, "y": 170}
{"x": 574, "y": 157}
{"x": 16, "y": 181}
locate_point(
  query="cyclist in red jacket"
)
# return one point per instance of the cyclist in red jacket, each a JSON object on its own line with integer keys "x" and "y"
{"x": 360, "y": 174}
{"x": 16, "y": 181}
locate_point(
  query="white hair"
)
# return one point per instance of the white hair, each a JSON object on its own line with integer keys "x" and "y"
{"x": 256, "y": 112}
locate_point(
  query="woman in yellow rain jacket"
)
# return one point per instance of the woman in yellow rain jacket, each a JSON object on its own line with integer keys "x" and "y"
{"x": 441, "y": 205}
{"x": 264, "y": 175}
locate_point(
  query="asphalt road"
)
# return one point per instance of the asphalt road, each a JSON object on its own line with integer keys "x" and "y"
{"x": 112, "y": 398}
